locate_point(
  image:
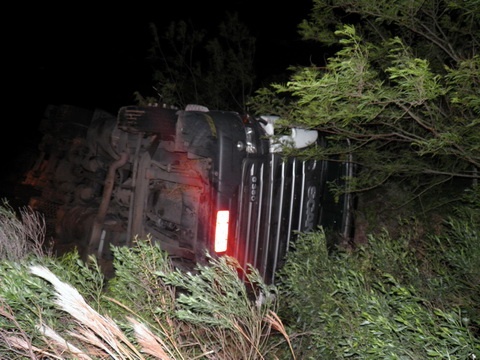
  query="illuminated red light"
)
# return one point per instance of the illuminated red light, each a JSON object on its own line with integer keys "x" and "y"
{"x": 221, "y": 231}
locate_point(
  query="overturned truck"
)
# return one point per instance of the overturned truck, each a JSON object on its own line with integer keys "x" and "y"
{"x": 195, "y": 181}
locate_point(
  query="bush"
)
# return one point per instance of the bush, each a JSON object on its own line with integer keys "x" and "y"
{"x": 385, "y": 299}
{"x": 374, "y": 302}
{"x": 147, "y": 311}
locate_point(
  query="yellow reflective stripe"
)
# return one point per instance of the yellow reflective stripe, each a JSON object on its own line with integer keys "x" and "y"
{"x": 212, "y": 125}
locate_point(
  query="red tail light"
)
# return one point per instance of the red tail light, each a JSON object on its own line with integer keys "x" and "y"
{"x": 221, "y": 231}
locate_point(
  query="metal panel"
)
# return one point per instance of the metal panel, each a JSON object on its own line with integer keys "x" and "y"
{"x": 272, "y": 203}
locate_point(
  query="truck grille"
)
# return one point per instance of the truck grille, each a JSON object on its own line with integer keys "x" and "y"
{"x": 279, "y": 197}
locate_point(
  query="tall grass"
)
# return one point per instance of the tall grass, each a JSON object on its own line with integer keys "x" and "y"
{"x": 21, "y": 237}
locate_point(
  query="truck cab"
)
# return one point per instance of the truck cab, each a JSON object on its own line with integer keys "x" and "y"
{"x": 195, "y": 181}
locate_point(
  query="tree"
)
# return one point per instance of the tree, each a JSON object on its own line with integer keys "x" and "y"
{"x": 403, "y": 88}
{"x": 215, "y": 72}
{"x": 443, "y": 31}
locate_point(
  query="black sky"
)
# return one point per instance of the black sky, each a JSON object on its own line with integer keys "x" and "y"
{"x": 95, "y": 56}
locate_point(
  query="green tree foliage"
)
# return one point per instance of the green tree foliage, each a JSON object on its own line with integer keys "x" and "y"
{"x": 403, "y": 87}
{"x": 191, "y": 67}
{"x": 443, "y": 31}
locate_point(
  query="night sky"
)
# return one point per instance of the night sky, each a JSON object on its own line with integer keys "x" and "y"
{"x": 91, "y": 57}
{"x": 95, "y": 57}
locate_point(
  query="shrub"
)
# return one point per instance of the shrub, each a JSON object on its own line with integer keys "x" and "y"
{"x": 390, "y": 298}
{"x": 368, "y": 304}
{"x": 147, "y": 311}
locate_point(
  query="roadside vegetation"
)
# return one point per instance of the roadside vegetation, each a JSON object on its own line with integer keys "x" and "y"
{"x": 414, "y": 296}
